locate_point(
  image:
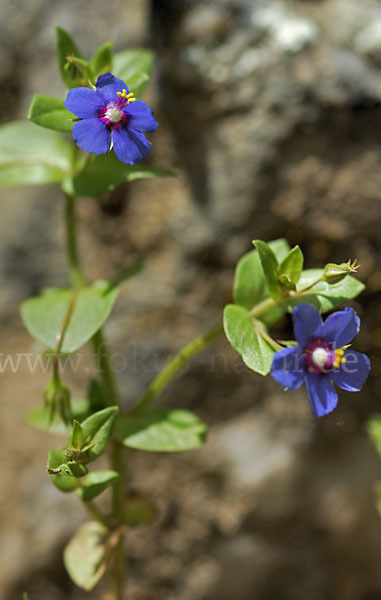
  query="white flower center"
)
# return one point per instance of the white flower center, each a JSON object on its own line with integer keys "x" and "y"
{"x": 113, "y": 114}
{"x": 319, "y": 357}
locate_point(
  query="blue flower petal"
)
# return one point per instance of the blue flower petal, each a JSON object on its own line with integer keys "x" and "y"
{"x": 287, "y": 368}
{"x": 107, "y": 87}
{"x": 323, "y": 397}
{"x": 83, "y": 102}
{"x": 352, "y": 373}
{"x": 130, "y": 146}
{"x": 306, "y": 321}
{"x": 140, "y": 117}
{"x": 340, "y": 328}
{"x": 92, "y": 135}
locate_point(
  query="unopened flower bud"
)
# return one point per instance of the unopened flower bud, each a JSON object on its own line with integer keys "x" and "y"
{"x": 334, "y": 273}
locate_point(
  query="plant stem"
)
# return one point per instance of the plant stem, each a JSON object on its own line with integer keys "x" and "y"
{"x": 94, "y": 511}
{"x": 61, "y": 335}
{"x": 118, "y": 454}
{"x": 175, "y": 365}
{"x": 261, "y": 307}
{"x": 76, "y": 274}
{"x": 102, "y": 355}
{"x": 102, "y": 360}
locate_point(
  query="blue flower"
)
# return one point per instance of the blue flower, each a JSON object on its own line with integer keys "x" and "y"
{"x": 322, "y": 357}
{"x": 110, "y": 116}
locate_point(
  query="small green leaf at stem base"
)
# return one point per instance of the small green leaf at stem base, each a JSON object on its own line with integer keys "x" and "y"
{"x": 246, "y": 337}
{"x": 162, "y": 430}
{"x": 95, "y": 483}
{"x": 50, "y": 112}
{"x": 97, "y": 430}
{"x": 85, "y": 556}
{"x": 44, "y": 315}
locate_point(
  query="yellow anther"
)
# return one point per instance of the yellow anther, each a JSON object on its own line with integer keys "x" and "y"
{"x": 339, "y": 358}
{"x": 129, "y": 97}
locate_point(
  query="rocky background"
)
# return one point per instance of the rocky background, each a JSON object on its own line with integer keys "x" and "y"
{"x": 270, "y": 115}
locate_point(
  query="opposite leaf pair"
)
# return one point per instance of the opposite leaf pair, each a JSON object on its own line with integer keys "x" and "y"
{"x": 87, "y": 442}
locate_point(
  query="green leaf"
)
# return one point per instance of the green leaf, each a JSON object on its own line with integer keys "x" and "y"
{"x": 86, "y": 553}
{"x": 249, "y": 282}
{"x": 162, "y": 430}
{"x": 30, "y": 155}
{"x": 97, "y": 430}
{"x": 76, "y": 439}
{"x": 63, "y": 481}
{"x": 67, "y": 47}
{"x": 374, "y": 432}
{"x": 101, "y": 60}
{"x": 269, "y": 264}
{"x": 95, "y": 483}
{"x": 44, "y": 315}
{"x": 244, "y": 334}
{"x": 25, "y": 596}
{"x": 39, "y": 417}
{"x": 50, "y": 112}
{"x": 129, "y": 65}
{"x": 292, "y": 265}
{"x": 104, "y": 173}
{"x": 137, "y": 83}
{"x": 325, "y": 296}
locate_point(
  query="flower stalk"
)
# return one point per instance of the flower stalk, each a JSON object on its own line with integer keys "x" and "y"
{"x": 175, "y": 365}
{"x": 198, "y": 345}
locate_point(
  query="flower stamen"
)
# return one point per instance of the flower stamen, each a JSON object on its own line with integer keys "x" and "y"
{"x": 339, "y": 358}
{"x": 129, "y": 97}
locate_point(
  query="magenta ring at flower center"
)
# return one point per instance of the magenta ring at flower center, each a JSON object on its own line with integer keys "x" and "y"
{"x": 318, "y": 356}
{"x": 115, "y": 111}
